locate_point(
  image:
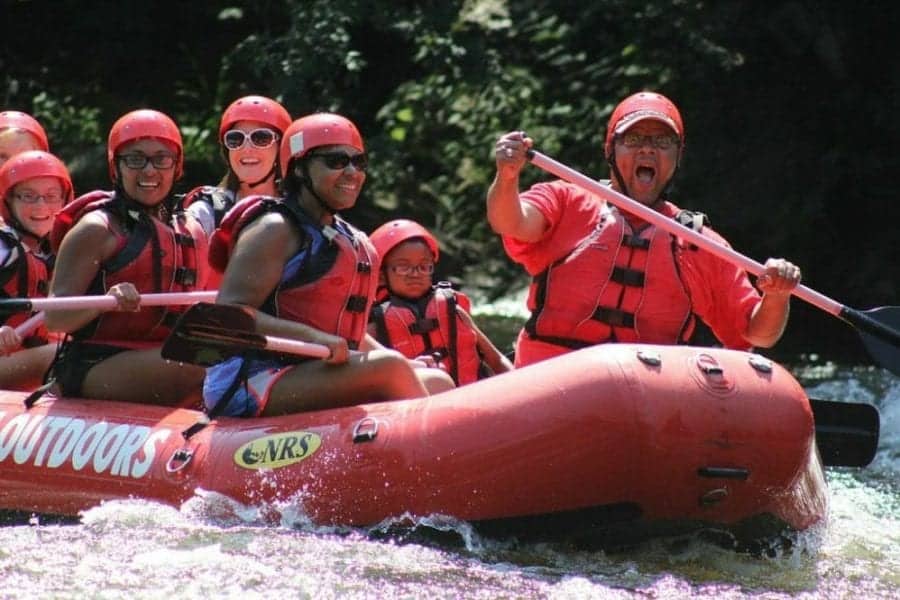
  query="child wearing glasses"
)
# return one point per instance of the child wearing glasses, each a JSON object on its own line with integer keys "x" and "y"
{"x": 123, "y": 243}
{"x": 602, "y": 275}
{"x": 424, "y": 321}
{"x": 310, "y": 276}
{"x": 34, "y": 186}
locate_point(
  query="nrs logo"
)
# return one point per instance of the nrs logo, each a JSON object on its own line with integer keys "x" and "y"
{"x": 277, "y": 450}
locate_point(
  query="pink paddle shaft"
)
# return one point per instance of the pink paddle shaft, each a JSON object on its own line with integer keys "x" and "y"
{"x": 651, "y": 216}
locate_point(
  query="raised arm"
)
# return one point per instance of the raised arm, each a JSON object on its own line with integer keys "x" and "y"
{"x": 506, "y": 212}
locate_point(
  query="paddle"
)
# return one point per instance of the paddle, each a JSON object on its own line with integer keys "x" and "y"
{"x": 14, "y": 305}
{"x": 207, "y": 334}
{"x": 849, "y": 432}
{"x": 879, "y": 327}
{"x": 846, "y": 433}
{"x": 27, "y": 326}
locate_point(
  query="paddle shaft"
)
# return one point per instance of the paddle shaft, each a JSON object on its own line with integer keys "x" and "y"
{"x": 26, "y": 327}
{"x": 102, "y": 302}
{"x": 288, "y": 346}
{"x": 818, "y": 300}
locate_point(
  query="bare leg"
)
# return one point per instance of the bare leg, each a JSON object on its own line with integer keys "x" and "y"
{"x": 24, "y": 370}
{"x": 373, "y": 376}
{"x": 435, "y": 380}
{"x": 143, "y": 376}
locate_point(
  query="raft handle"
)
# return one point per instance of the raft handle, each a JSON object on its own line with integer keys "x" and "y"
{"x": 709, "y": 365}
{"x": 366, "y": 430}
{"x": 763, "y": 365}
{"x": 182, "y": 456}
{"x": 650, "y": 358}
{"x": 724, "y": 473}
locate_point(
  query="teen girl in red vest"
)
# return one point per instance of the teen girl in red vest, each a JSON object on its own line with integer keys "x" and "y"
{"x": 308, "y": 275}
{"x": 423, "y": 320}
{"x": 34, "y": 186}
{"x": 124, "y": 243}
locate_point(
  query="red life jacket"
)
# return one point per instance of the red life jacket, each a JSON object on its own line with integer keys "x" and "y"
{"x": 329, "y": 284}
{"x": 428, "y": 326}
{"x": 28, "y": 276}
{"x": 220, "y": 202}
{"x": 153, "y": 256}
{"x": 616, "y": 285}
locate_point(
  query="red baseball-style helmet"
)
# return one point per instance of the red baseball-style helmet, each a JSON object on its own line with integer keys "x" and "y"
{"x": 641, "y": 107}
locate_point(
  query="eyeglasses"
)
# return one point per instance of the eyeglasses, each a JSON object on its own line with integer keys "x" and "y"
{"x": 404, "y": 269}
{"x": 339, "y": 160}
{"x": 29, "y": 197}
{"x": 139, "y": 161}
{"x": 661, "y": 141}
{"x": 261, "y": 138}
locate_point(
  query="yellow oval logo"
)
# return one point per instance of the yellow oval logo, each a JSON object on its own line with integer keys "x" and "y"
{"x": 277, "y": 450}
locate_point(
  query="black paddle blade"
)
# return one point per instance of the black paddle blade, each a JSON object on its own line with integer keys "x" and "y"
{"x": 846, "y": 433}
{"x": 880, "y": 332}
{"x": 10, "y": 306}
{"x": 207, "y": 334}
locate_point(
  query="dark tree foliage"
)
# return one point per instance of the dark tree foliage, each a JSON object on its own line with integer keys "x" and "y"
{"x": 790, "y": 106}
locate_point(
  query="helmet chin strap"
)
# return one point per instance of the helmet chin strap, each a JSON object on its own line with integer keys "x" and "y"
{"x": 306, "y": 182}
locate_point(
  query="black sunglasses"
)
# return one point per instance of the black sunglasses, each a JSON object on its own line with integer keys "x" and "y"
{"x": 261, "y": 138}
{"x": 339, "y": 160}
{"x": 138, "y": 161}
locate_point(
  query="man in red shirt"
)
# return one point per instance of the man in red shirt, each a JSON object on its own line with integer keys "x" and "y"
{"x": 601, "y": 275}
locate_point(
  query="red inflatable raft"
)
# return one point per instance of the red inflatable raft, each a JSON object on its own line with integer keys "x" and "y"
{"x": 624, "y": 436}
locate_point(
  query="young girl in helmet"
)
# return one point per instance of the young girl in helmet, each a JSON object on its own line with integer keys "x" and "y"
{"x": 419, "y": 319}
{"x": 249, "y": 132}
{"x": 20, "y": 132}
{"x": 311, "y": 276}
{"x": 123, "y": 243}
{"x": 34, "y": 186}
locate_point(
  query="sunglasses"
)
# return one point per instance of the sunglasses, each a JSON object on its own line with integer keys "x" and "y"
{"x": 261, "y": 138}
{"x": 338, "y": 160}
{"x": 139, "y": 161}
{"x": 662, "y": 141}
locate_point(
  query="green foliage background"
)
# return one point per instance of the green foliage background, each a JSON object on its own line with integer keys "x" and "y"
{"x": 790, "y": 114}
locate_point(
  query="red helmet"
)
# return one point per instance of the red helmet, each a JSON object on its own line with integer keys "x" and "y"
{"x": 394, "y": 233}
{"x": 140, "y": 124}
{"x": 28, "y": 165}
{"x": 255, "y": 108}
{"x": 319, "y": 129}
{"x": 641, "y": 107}
{"x": 13, "y": 119}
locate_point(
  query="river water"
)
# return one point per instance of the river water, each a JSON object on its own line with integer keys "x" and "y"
{"x": 136, "y": 549}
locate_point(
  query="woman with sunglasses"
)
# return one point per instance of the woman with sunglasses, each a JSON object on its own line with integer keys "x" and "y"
{"x": 249, "y": 132}
{"x": 424, "y": 321}
{"x": 34, "y": 186}
{"x": 311, "y": 276}
{"x": 124, "y": 243}
{"x": 603, "y": 275}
